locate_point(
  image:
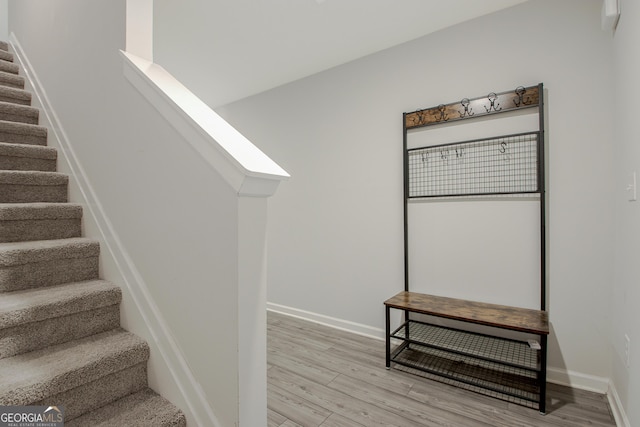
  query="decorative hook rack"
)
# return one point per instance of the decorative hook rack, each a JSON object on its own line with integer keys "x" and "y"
{"x": 521, "y": 97}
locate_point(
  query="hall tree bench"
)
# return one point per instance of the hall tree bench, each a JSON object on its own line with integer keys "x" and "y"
{"x": 487, "y": 348}
{"x": 510, "y": 369}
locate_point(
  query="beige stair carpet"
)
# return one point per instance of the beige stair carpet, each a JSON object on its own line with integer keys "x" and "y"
{"x": 61, "y": 343}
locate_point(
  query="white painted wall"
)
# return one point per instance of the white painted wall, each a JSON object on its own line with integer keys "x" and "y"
{"x": 336, "y": 230}
{"x": 626, "y": 292}
{"x": 4, "y": 20}
{"x": 287, "y": 40}
{"x": 176, "y": 218}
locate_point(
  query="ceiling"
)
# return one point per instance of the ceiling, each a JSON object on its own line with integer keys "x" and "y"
{"x": 255, "y": 45}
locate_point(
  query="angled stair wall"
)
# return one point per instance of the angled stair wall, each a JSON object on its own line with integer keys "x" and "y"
{"x": 60, "y": 336}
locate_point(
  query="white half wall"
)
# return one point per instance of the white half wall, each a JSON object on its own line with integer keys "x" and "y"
{"x": 336, "y": 246}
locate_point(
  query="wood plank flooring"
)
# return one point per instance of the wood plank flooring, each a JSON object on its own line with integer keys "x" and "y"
{"x": 320, "y": 376}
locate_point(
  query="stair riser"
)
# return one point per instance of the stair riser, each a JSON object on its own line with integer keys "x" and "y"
{"x": 36, "y": 335}
{"x": 100, "y": 392}
{"x": 6, "y": 56}
{"x": 39, "y": 229}
{"x": 146, "y": 404}
{"x": 22, "y": 100}
{"x": 27, "y": 164}
{"x": 19, "y": 118}
{"x": 12, "y": 80}
{"x": 19, "y": 193}
{"x": 9, "y": 67}
{"x": 48, "y": 273}
{"x": 20, "y": 138}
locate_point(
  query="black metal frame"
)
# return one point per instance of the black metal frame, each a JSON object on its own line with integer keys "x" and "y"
{"x": 520, "y": 98}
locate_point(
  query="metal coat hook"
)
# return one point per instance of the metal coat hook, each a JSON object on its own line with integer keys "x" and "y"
{"x": 503, "y": 149}
{"x": 468, "y": 112}
{"x": 520, "y": 91}
{"x": 444, "y": 155}
{"x": 441, "y": 114}
{"x": 422, "y": 116}
{"x": 425, "y": 157}
{"x": 492, "y": 97}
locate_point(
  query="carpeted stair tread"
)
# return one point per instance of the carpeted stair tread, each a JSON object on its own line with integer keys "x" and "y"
{"x": 23, "y": 211}
{"x": 32, "y": 186}
{"x": 20, "y": 253}
{"x": 42, "y": 317}
{"x": 34, "y": 376}
{"x": 12, "y": 112}
{"x": 4, "y": 45}
{"x": 16, "y": 96}
{"x": 143, "y": 409}
{"x": 9, "y": 67}
{"x": 33, "y": 151}
{"x": 28, "y": 157}
{"x": 11, "y": 80}
{"x": 22, "y": 133}
{"x": 6, "y": 56}
{"x": 40, "y": 263}
{"x": 34, "y": 305}
{"x": 33, "y": 178}
{"x": 39, "y": 221}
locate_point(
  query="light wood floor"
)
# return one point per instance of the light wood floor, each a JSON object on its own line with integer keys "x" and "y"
{"x": 319, "y": 376}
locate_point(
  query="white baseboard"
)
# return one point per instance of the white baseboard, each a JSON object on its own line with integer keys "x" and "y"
{"x": 135, "y": 285}
{"x": 577, "y": 380}
{"x": 617, "y": 408}
{"x": 343, "y": 325}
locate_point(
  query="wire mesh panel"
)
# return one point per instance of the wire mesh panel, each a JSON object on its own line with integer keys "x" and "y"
{"x": 500, "y": 165}
{"x": 504, "y": 368}
{"x": 500, "y": 350}
{"x": 510, "y": 384}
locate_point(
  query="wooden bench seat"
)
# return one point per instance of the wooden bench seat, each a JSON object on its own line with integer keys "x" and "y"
{"x": 499, "y": 316}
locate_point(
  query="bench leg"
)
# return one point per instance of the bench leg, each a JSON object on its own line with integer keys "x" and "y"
{"x": 388, "y": 337}
{"x": 543, "y": 375}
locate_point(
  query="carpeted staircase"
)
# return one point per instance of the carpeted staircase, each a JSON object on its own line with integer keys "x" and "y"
{"x": 60, "y": 338}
